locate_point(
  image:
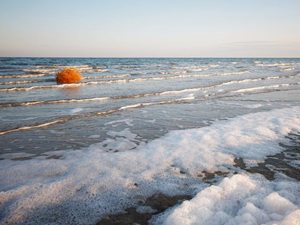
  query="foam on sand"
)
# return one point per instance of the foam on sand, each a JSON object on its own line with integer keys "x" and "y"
{"x": 240, "y": 200}
{"x": 84, "y": 186}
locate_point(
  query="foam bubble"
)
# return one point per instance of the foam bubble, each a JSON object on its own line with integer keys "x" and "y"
{"x": 94, "y": 136}
{"x": 274, "y": 203}
{"x": 115, "y": 123}
{"x": 253, "y": 106}
{"x": 76, "y": 110}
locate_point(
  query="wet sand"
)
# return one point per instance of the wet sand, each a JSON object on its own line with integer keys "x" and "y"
{"x": 158, "y": 203}
{"x": 279, "y": 163}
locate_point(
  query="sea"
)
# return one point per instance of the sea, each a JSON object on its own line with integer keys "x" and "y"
{"x": 219, "y": 135}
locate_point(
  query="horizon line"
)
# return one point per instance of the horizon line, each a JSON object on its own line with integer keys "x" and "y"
{"x": 154, "y": 57}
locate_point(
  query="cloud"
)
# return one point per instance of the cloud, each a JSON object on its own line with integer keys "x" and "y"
{"x": 253, "y": 43}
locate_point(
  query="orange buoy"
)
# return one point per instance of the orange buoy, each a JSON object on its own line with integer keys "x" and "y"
{"x": 68, "y": 75}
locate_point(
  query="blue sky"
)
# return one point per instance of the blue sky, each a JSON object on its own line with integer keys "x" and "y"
{"x": 138, "y": 28}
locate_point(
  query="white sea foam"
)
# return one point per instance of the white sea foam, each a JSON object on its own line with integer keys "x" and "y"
{"x": 119, "y": 141}
{"x": 62, "y": 101}
{"x": 196, "y": 68}
{"x": 94, "y": 136}
{"x": 54, "y": 69}
{"x": 240, "y": 200}
{"x": 260, "y": 88}
{"x": 22, "y": 76}
{"x": 85, "y": 185}
{"x": 19, "y": 82}
{"x": 173, "y": 72}
{"x": 116, "y": 123}
{"x": 17, "y": 119}
{"x": 108, "y": 76}
{"x": 188, "y": 97}
{"x": 28, "y": 88}
{"x": 252, "y": 106}
{"x": 273, "y": 64}
{"x": 33, "y": 127}
{"x": 287, "y": 69}
{"x": 76, "y": 110}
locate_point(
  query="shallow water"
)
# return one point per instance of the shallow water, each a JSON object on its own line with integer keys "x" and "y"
{"x": 136, "y": 128}
{"x": 149, "y": 96}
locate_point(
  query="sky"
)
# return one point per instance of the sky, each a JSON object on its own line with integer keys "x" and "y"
{"x": 152, "y": 28}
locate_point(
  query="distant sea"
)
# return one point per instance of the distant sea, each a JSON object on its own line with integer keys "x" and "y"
{"x": 140, "y": 127}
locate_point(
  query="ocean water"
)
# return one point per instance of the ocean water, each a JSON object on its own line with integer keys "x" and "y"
{"x": 134, "y": 128}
